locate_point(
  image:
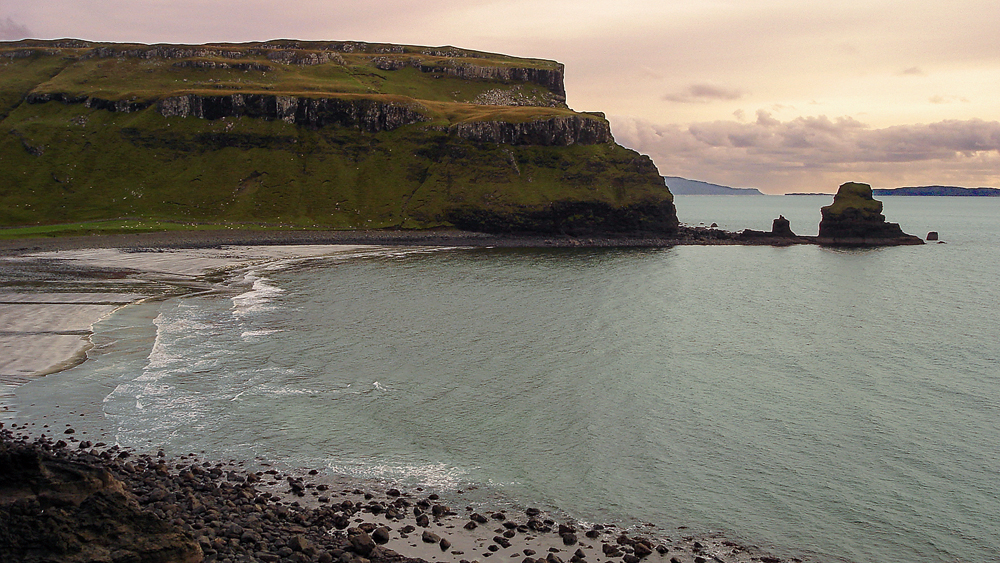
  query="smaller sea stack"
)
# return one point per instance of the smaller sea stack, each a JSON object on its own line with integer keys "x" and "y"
{"x": 855, "y": 219}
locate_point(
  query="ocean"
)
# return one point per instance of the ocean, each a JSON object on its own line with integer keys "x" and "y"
{"x": 832, "y": 404}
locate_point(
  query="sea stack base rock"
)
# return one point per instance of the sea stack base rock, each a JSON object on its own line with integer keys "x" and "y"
{"x": 855, "y": 219}
{"x": 780, "y": 234}
{"x": 781, "y": 227}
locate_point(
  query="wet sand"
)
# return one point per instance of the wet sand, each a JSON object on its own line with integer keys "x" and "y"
{"x": 50, "y": 300}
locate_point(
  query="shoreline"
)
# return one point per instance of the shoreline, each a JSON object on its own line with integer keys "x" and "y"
{"x": 107, "y": 267}
{"x": 687, "y": 235}
{"x": 210, "y": 510}
{"x": 236, "y": 237}
{"x": 51, "y": 299}
{"x": 48, "y": 323}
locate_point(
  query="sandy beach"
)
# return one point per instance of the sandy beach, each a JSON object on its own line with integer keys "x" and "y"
{"x": 50, "y": 299}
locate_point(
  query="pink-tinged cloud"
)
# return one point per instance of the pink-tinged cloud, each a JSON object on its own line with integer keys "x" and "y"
{"x": 703, "y": 93}
{"x": 816, "y": 153}
{"x": 12, "y": 31}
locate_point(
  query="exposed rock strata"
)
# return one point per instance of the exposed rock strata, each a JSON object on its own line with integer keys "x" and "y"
{"x": 855, "y": 219}
{"x": 552, "y": 79}
{"x": 366, "y": 114}
{"x": 120, "y": 106}
{"x": 222, "y": 65}
{"x": 556, "y": 131}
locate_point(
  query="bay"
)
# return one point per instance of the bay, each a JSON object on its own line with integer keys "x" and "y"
{"x": 842, "y": 404}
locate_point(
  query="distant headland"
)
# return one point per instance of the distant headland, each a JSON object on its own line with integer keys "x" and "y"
{"x": 683, "y": 186}
{"x": 939, "y": 191}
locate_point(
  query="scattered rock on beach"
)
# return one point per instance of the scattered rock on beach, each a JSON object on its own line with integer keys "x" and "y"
{"x": 219, "y": 511}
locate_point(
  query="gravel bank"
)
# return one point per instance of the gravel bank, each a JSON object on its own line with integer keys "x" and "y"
{"x": 62, "y": 499}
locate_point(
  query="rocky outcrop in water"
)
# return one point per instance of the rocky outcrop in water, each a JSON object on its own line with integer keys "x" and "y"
{"x": 855, "y": 219}
{"x": 780, "y": 234}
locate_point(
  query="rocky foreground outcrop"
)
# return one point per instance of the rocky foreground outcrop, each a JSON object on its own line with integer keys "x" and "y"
{"x": 56, "y": 508}
{"x": 62, "y": 504}
{"x": 855, "y": 219}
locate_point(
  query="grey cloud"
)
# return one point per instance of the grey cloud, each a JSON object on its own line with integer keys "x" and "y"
{"x": 912, "y": 71}
{"x": 947, "y": 99}
{"x": 703, "y": 93}
{"x": 799, "y": 154}
{"x": 12, "y": 31}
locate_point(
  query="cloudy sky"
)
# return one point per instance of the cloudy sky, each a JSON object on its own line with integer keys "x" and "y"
{"x": 781, "y": 95}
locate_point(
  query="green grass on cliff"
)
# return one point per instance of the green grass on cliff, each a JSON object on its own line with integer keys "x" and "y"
{"x": 854, "y": 196}
{"x": 71, "y": 71}
{"x": 87, "y": 169}
{"x": 66, "y": 163}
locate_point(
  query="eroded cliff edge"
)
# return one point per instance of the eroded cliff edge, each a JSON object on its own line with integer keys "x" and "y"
{"x": 342, "y": 135}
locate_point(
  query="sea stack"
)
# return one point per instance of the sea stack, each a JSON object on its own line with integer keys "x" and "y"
{"x": 855, "y": 219}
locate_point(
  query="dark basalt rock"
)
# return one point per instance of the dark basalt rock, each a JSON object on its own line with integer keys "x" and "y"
{"x": 782, "y": 228}
{"x": 53, "y": 509}
{"x": 781, "y": 233}
{"x": 556, "y": 131}
{"x": 369, "y": 115}
{"x": 573, "y": 218}
{"x": 855, "y": 219}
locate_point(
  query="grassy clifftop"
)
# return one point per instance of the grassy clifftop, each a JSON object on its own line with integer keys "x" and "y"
{"x": 341, "y": 135}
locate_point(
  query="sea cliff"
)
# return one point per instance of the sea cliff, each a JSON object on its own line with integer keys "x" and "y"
{"x": 855, "y": 219}
{"x": 334, "y": 135}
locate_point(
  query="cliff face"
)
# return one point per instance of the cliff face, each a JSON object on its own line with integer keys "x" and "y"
{"x": 574, "y": 218}
{"x": 855, "y": 218}
{"x": 328, "y": 134}
{"x": 556, "y": 131}
{"x": 459, "y": 63}
{"x": 368, "y": 115}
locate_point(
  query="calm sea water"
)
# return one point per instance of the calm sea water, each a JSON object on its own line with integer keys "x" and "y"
{"x": 839, "y": 403}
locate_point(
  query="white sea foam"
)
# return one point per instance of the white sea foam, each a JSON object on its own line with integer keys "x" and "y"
{"x": 258, "y": 298}
{"x": 249, "y": 335}
{"x": 431, "y": 475}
